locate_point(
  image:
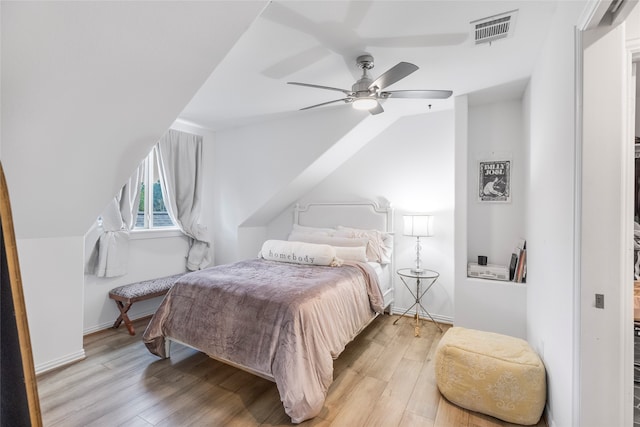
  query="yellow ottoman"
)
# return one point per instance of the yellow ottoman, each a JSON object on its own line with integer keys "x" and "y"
{"x": 495, "y": 374}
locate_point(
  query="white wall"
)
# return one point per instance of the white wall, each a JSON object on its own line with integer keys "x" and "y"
{"x": 253, "y": 164}
{"x": 602, "y": 196}
{"x": 52, "y": 309}
{"x": 151, "y": 255}
{"x": 486, "y": 131}
{"x": 410, "y": 165}
{"x": 495, "y": 133}
{"x": 550, "y": 181}
{"x": 148, "y": 258}
{"x": 80, "y": 108}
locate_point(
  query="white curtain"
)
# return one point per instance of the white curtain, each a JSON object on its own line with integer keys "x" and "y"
{"x": 118, "y": 219}
{"x": 179, "y": 157}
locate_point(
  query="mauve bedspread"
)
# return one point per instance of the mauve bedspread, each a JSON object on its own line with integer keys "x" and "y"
{"x": 285, "y": 321}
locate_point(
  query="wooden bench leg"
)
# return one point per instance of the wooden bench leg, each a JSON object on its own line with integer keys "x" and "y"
{"x": 123, "y": 317}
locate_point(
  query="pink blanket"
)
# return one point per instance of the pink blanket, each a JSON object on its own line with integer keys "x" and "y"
{"x": 283, "y": 321}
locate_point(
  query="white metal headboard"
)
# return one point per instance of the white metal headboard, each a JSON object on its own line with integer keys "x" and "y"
{"x": 365, "y": 215}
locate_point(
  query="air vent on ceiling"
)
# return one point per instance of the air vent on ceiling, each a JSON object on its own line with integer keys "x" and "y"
{"x": 492, "y": 28}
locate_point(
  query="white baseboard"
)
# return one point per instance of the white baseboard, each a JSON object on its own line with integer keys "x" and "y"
{"x": 438, "y": 318}
{"x": 65, "y": 360}
{"x": 80, "y": 355}
{"x": 107, "y": 325}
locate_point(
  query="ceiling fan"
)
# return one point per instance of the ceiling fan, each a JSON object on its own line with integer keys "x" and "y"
{"x": 366, "y": 93}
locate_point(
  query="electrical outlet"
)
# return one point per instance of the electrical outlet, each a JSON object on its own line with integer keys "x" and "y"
{"x": 599, "y": 300}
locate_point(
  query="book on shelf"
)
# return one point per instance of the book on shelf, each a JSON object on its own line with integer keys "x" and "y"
{"x": 512, "y": 266}
{"x": 518, "y": 264}
{"x": 522, "y": 263}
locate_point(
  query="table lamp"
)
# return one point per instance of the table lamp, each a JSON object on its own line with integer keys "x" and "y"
{"x": 418, "y": 226}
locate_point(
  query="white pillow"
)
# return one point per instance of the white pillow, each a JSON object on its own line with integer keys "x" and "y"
{"x": 387, "y": 247}
{"x": 297, "y": 228}
{"x": 354, "y": 253}
{"x": 379, "y": 246}
{"x": 299, "y": 253}
{"x": 326, "y": 240}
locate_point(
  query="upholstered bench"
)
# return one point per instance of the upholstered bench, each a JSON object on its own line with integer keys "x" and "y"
{"x": 124, "y": 296}
{"x": 494, "y": 374}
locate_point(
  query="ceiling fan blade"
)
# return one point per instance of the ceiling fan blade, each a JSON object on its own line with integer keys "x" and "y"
{"x": 296, "y": 62}
{"x": 346, "y": 92}
{"x": 392, "y": 75}
{"x": 356, "y": 12}
{"x": 280, "y": 14}
{"x": 326, "y": 103}
{"x": 425, "y": 40}
{"x": 417, "y": 94}
{"x": 376, "y": 110}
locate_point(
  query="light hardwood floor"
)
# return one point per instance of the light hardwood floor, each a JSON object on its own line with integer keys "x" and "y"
{"x": 385, "y": 377}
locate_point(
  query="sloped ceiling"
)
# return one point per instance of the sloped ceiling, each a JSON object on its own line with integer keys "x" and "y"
{"x": 89, "y": 87}
{"x": 318, "y": 42}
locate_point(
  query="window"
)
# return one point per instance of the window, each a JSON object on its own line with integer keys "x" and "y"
{"x": 152, "y": 212}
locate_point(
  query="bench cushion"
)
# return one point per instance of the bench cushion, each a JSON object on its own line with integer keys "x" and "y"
{"x": 494, "y": 374}
{"x": 145, "y": 287}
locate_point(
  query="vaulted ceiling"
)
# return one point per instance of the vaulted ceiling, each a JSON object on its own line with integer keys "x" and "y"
{"x": 318, "y": 41}
{"x": 88, "y": 87}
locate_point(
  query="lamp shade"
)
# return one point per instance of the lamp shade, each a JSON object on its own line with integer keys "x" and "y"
{"x": 418, "y": 225}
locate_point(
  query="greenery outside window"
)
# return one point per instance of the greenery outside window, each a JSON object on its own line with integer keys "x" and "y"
{"x": 152, "y": 212}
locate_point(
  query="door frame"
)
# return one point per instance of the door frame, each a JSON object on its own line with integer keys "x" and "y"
{"x": 626, "y": 265}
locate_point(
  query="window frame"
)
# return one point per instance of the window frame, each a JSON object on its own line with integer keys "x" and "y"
{"x": 148, "y": 231}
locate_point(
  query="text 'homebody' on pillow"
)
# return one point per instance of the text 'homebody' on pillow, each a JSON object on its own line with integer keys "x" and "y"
{"x": 300, "y": 253}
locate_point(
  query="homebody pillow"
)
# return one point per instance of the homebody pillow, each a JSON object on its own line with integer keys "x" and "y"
{"x": 347, "y": 249}
{"x": 300, "y": 253}
{"x": 351, "y": 253}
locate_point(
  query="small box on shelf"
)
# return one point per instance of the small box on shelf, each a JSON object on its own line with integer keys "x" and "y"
{"x": 489, "y": 271}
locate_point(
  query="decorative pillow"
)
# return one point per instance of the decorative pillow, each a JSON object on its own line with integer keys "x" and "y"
{"x": 387, "y": 247}
{"x": 326, "y": 240}
{"x": 380, "y": 244}
{"x": 297, "y": 228}
{"x": 299, "y": 253}
{"x": 355, "y": 253}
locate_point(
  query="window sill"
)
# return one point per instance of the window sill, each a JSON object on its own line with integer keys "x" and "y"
{"x": 155, "y": 233}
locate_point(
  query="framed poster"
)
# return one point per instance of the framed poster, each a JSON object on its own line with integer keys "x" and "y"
{"x": 494, "y": 183}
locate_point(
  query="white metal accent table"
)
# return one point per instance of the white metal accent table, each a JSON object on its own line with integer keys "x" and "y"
{"x": 428, "y": 276}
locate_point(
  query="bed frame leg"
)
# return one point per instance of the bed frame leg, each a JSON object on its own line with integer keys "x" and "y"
{"x": 167, "y": 348}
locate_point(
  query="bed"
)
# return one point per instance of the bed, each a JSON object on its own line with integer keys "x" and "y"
{"x": 281, "y": 317}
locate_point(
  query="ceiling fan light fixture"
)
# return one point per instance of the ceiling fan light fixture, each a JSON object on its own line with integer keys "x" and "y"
{"x": 364, "y": 103}
{"x": 366, "y": 94}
